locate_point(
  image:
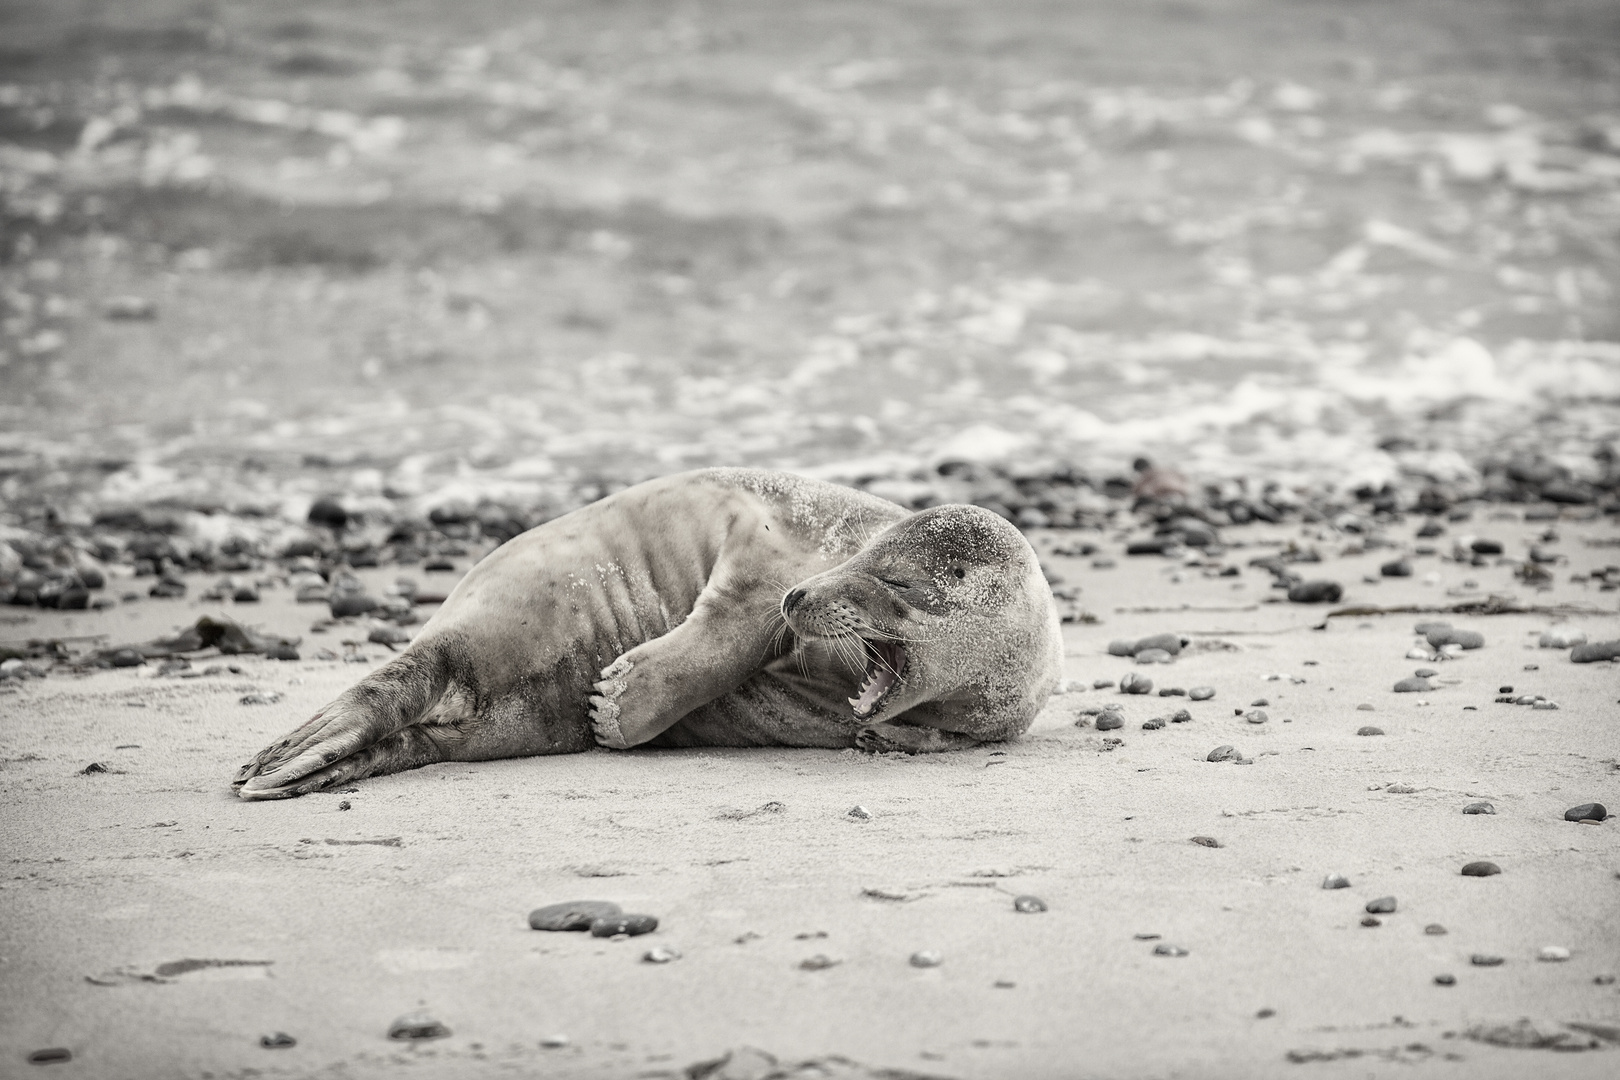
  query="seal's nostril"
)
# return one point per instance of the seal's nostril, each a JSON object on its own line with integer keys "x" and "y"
{"x": 791, "y": 601}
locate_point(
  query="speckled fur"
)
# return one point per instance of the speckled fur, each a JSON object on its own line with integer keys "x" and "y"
{"x": 653, "y": 617}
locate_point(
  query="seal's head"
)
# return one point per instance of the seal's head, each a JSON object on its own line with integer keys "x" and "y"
{"x": 947, "y": 607}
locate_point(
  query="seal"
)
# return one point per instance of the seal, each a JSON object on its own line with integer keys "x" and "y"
{"x": 723, "y": 607}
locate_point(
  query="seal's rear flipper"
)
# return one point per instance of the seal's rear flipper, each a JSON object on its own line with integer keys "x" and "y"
{"x": 367, "y": 731}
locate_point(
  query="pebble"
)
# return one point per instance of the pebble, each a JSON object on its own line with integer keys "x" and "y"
{"x": 277, "y": 1040}
{"x": 661, "y": 954}
{"x": 1423, "y": 629}
{"x": 1369, "y": 730}
{"x": 1256, "y": 716}
{"x": 1166, "y": 949}
{"x": 1365, "y": 707}
{"x": 345, "y": 605}
{"x": 1170, "y": 643}
{"x": 1369, "y": 920}
{"x": 1109, "y": 721}
{"x": 1154, "y": 724}
{"x": 1335, "y": 881}
{"x": 1121, "y": 647}
{"x": 1562, "y": 639}
{"x": 629, "y": 925}
{"x": 1153, "y": 656}
{"x": 1431, "y": 529}
{"x": 1028, "y": 905}
{"x": 329, "y": 512}
{"x": 1397, "y": 568}
{"x": 282, "y": 650}
{"x": 51, "y": 1055}
{"x": 1381, "y": 906}
{"x": 554, "y": 1042}
{"x": 127, "y": 658}
{"x": 1181, "y": 716}
{"x": 859, "y": 813}
{"x": 259, "y": 698}
{"x": 417, "y": 1025}
{"x": 389, "y": 635}
{"x": 1201, "y": 693}
{"x": 1206, "y": 841}
{"x": 574, "y": 915}
{"x": 926, "y": 958}
{"x": 1545, "y": 706}
{"x": 1479, "y": 808}
{"x": 1315, "y": 592}
{"x": 1592, "y": 811}
{"x": 1485, "y": 960}
{"x": 1102, "y": 684}
{"x": 1401, "y": 789}
{"x": 1481, "y": 869}
{"x": 1486, "y": 547}
{"x": 1504, "y": 689}
{"x": 1434, "y": 929}
{"x": 818, "y": 962}
{"x": 1425, "y": 673}
{"x": 1259, "y": 703}
{"x": 1223, "y": 753}
{"x": 1445, "y": 980}
{"x": 1135, "y": 684}
{"x": 1413, "y": 685}
{"x": 1172, "y": 691}
{"x": 1418, "y": 652}
{"x": 1595, "y": 651}
{"x": 1553, "y": 953}
{"x": 1467, "y": 639}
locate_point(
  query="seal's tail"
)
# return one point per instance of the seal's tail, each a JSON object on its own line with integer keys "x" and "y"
{"x": 368, "y": 730}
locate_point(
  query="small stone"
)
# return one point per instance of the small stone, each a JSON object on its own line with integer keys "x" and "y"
{"x": 1164, "y": 948}
{"x": 1315, "y": 592}
{"x": 1172, "y": 691}
{"x": 926, "y": 958}
{"x": 1400, "y": 789}
{"x": 1445, "y": 980}
{"x": 1384, "y": 905}
{"x": 1413, "y": 685}
{"x": 1121, "y": 647}
{"x": 1004, "y": 984}
{"x": 1224, "y": 753}
{"x": 1595, "y": 651}
{"x": 1481, "y": 869}
{"x": 278, "y": 1040}
{"x": 1101, "y": 684}
{"x": 1479, "y": 808}
{"x": 282, "y": 650}
{"x": 1434, "y": 929}
{"x": 1201, "y": 693}
{"x": 818, "y": 962}
{"x": 1265, "y": 1014}
{"x": 1504, "y": 689}
{"x": 51, "y": 1055}
{"x": 1206, "y": 841}
{"x": 1135, "y": 684}
{"x": 1256, "y": 716}
{"x": 1028, "y": 905}
{"x": 1485, "y": 960}
{"x": 1592, "y": 811}
{"x": 1153, "y": 656}
{"x": 1368, "y": 729}
{"x": 1425, "y": 673}
{"x": 859, "y": 813}
{"x": 661, "y": 954}
{"x": 1440, "y": 637}
{"x": 1368, "y": 920}
{"x": 1335, "y": 881}
{"x": 628, "y": 925}
{"x": 1553, "y": 953}
{"x": 1109, "y": 721}
{"x": 1545, "y": 706}
{"x": 1562, "y": 639}
{"x": 415, "y": 1026}
{"x": 554, "y": 1042}
{"x": 1170, "y": 643}
{"x": 259, "y": 697}
{"x": 1365, "y": 707}
{"x": 1396, "y": 568}
{"x": 1418, "y": 652}
{"x": 1486, "y": 547}
{"x": 1154, "y": 724}
{"x": 1181, "y": 716}
{"x": 347, "y": 605}
{"x": 328, "y": 512}
{"x": 1603, "y": 980}
{"x": 573, "y": 915}
{"x": 127, "y": 658}
{"x": 1259, "y": 703}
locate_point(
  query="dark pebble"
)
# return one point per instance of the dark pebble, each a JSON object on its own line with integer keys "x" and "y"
{"x": 282, "y": 651}
{"x": 1431, "y": 529}
{"x": 439, "y": 566}
{"x": 1397, "y": 568}
{"x": 1445, "y": 980}
{"x": 1413, "y": 685}
{"x": 246, "y": 594}
{"x": 1167, "y": 949}
{"x": 1595, "y": 651}
{"x": 1028, "y": 905}
{"x": 1223, "y": 753}
{"x": 574, "y": 915}
{"x": 1486, "y": 547}
{"x": 1172, "y": 691}
{"x": 818, "y": 962}
{"x": 1504, "y": 689}
{"x": 632, "y": 925}
{"x": 1135, "y": 684}
{"x": 127, "y": 658}
{"x": 1315, "y": 592}
{"x": 1181, "y": 716}
{"x": 51, "y": 1055}
{"x": 1468, "y": 639}
{"x": 1434, "y": 929}
{"x": 168, "y": 587}
{"x": 1121, "y": 647}
{"x": 1479, "y": 808}
{"x": 346, "y": 605}
{"x": 328, "y": 512}
{"x": 1369, "y": 730}
{"x": 1154, "y": 724}
{"x": 1335, "y": 881}
{"x": 1256, "y": 716}
{"x": 1201, "y": 693}
{"x": 1485, "y": 960}
{"x": 1206, "y": 841}
{"x": 1259, "y": 703}
{"x": 1109, "y": 721}
{"x": 1156, "y": 546}
{"x": 1368, "y": 920}
{"x": 1481, "y": 869}
{"x": 1592, "y": 811}
{"x": 278, "y": 1040}
{"x": 1381, "y": 906}
{"x": 414, "y": 1026}
{"x": 1425, "y": 673}
{"x": 1102, "y": 684}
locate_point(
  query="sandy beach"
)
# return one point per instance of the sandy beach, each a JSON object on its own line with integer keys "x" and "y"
{"x": 330, "y": 916}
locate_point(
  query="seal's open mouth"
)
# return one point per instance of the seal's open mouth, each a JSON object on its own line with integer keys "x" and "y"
{"x": 885, "y": 662}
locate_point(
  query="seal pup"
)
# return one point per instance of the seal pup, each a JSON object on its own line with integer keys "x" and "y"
{"x": 722, "y": 607}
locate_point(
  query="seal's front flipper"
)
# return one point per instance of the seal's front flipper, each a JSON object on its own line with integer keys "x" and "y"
{"x": 891, "y": 737}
